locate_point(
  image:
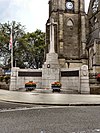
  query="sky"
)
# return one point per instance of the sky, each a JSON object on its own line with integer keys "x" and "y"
{"x": 33, "y": 14}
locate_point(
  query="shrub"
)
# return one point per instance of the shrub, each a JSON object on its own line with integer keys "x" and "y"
{"x": 1, "y": 78}
{"x": 7, "y": 79}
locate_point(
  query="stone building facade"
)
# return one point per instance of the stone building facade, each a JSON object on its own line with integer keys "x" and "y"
{"x": 93, "y": 43}
{"x": 93, "y": 36}
{"x": 77, "y": 35}
{"x": 70, "y": 31}
{"x": 73, "y": 49}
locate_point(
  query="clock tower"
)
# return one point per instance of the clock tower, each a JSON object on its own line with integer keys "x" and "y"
{"x": 69, "y": 33}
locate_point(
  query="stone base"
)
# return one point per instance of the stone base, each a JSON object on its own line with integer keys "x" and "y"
{"x": 51, "y": 61}
{"x": 51, "y": 70}
{"x": 62, "y": 63}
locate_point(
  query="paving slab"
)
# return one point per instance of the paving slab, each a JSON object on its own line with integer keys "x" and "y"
{"x": 50, "y": 98}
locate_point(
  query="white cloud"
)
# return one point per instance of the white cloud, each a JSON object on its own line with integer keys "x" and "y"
{"x": 32, "y": 13}
{"x": 86, "y": 5}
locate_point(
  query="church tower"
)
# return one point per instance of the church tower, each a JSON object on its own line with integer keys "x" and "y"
{"x": 70, "y": 31}
{"x": 93, "y": 37}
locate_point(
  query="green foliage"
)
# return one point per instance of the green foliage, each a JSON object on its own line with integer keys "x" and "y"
{"x": 5, "y": 31}
{"x": 28, "y": 48}
{"x": 32, "y": 46}
{"x": 1, "y": 78}
{"x": 7, "y": 79}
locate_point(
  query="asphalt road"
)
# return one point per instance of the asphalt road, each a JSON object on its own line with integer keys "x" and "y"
{"x": 49, "y": 119}
{"x": 11, "y": 105}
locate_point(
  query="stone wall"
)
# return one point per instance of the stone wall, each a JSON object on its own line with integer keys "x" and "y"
{"x": 72, "y": 80}
{"x": 18, "y": 81}
{"x": 71, "y": 36}
{"x": 71, "y": 84}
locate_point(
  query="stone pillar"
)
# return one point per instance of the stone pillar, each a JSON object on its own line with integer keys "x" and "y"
{"x": 13, "y": 80}
{"x": 61, "y": 4}
{"x": 54, "y": 5}
{"x": 61, "y": 43}
{"x": 82, "y": 3}
{"x": 50, "y": 71}
{"x": 83, "y": 31}
{"x": 83, "y": 35}
{"x": 84, "y": 80}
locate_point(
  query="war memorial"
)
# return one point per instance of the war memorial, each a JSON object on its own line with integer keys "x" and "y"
{"x": 73, "y": 49}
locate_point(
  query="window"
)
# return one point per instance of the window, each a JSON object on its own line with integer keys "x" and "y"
{"x": 96, "y": 25}
{"x": 70, "y": 23}
{"x": 91, "y": 57}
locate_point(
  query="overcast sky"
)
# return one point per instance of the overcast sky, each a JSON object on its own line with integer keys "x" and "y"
{"x": 31, "y": 13}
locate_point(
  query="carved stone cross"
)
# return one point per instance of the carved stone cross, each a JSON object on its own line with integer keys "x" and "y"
{"x": 52, "y": 23}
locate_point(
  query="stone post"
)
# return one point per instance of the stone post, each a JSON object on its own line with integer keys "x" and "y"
{"x": 84, "y": 80}
{"x": 13, "y": 79}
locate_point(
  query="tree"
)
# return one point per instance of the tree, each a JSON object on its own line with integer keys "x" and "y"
{"x": 28, "y": 48}
{"x": 32, "y": 46}
{"x": 5, "y": 30}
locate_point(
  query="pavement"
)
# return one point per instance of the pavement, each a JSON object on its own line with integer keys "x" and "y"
{"x": 46, "y": 97}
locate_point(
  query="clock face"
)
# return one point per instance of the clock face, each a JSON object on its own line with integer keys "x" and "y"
{"x": 69, "y": 5}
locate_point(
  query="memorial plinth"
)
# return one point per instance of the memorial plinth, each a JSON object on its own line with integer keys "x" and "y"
{"x": 51, "y": 70}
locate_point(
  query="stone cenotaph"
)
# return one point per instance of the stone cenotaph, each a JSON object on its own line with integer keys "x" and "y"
{"x": 51, "y": 68}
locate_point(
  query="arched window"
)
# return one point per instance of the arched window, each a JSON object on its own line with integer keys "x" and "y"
{"x": 95, "y": 20}
{"x": 96, "y": 24}
{"x": 91, "y": 58}
{"x": 70, "y": 23}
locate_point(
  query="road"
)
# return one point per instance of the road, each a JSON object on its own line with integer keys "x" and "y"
{"x": 48, "y": 119}
{"x": 10, "y": 105}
